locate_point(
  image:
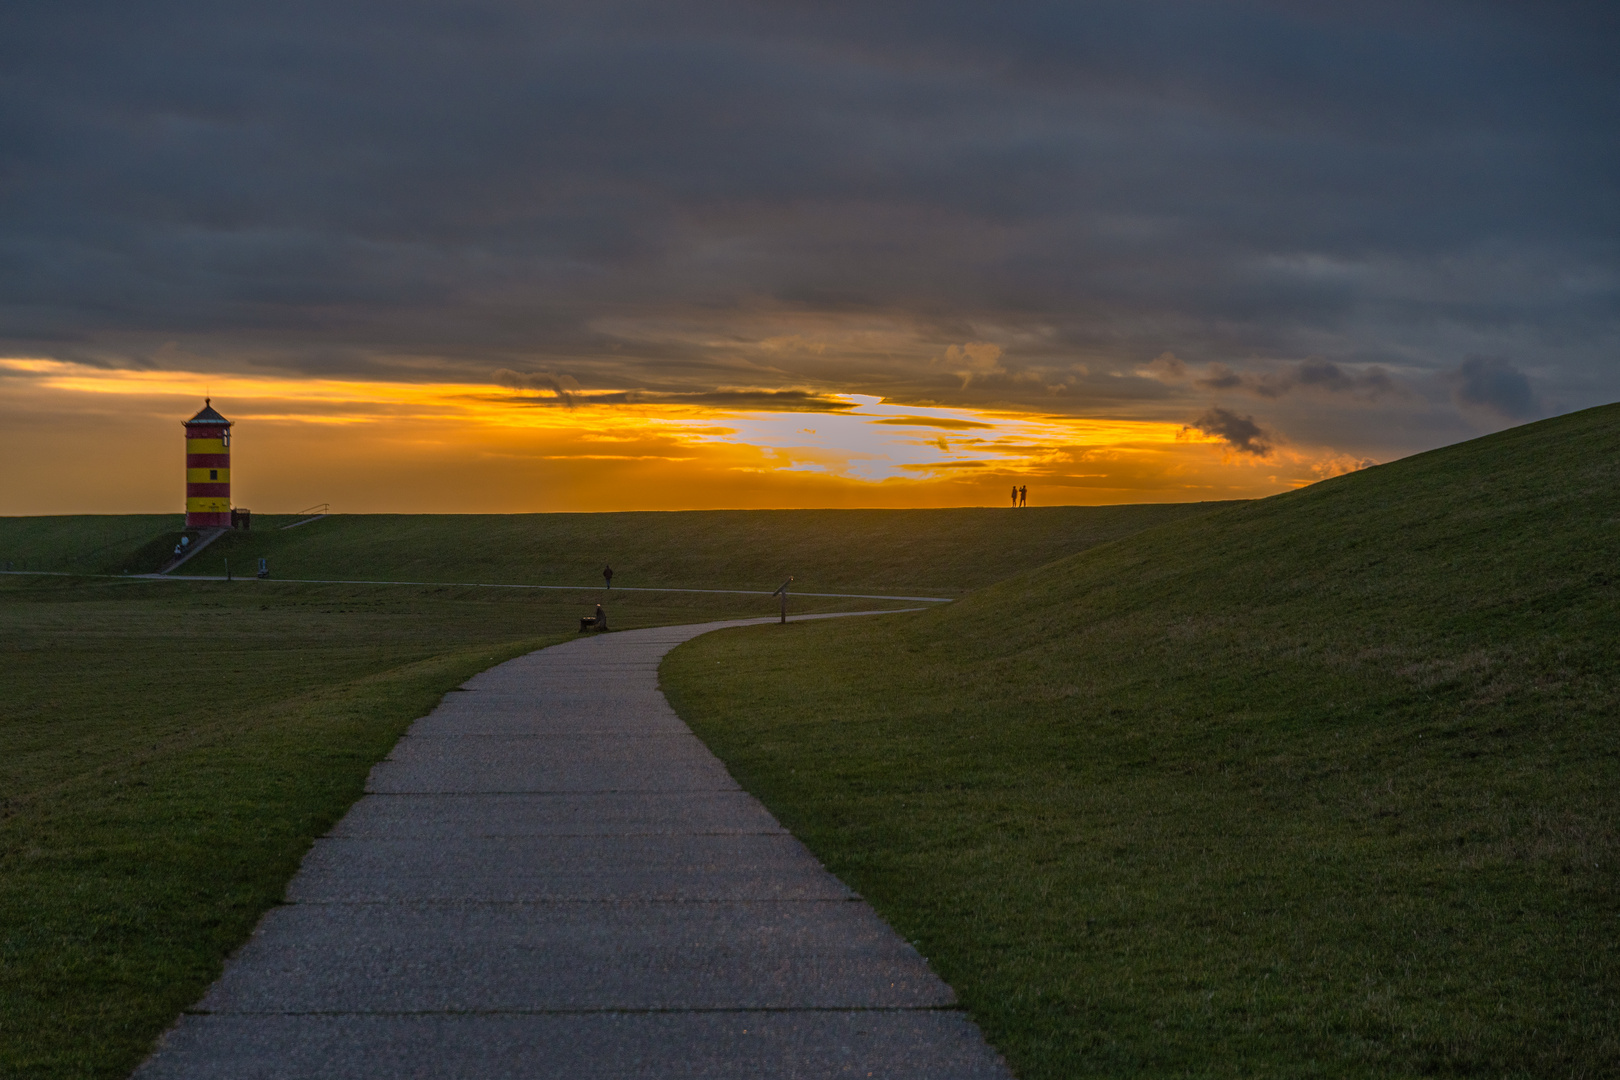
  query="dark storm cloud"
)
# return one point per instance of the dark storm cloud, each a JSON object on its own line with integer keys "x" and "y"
{"x": 1320, "y": 376}
{"x": 646, "y": 197}
{"x": 1240, "y": 432}
{"x": 562, "y": 387}
{"x": 564, "y": 390}
{"x": 1494, "y": 384}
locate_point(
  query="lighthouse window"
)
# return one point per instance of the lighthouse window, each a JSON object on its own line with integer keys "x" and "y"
{"x": 213, "y": 474}
{"x": 225, "y": 439}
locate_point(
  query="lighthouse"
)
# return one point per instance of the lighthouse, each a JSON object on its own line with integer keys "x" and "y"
{"x": 208, "y": 470}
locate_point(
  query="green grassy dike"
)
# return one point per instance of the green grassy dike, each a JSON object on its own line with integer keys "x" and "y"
{"x": 918, "y": 552}
{"x": 1322, "y": 785}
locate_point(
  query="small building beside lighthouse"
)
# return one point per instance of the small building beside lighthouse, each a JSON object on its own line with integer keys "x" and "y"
{"x": 208, "y": 470}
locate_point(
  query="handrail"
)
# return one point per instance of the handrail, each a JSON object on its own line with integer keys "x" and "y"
{"x": 319, "y": 510}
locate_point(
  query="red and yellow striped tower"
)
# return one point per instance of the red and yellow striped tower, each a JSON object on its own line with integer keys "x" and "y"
{"x": 208, "y": 470}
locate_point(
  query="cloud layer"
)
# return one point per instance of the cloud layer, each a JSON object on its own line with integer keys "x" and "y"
{"x": 1241, "y": 433}
{"x": 1332, "y": 215}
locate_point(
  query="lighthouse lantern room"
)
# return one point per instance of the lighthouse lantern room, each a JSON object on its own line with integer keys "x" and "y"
{"x": 208, "y": 470}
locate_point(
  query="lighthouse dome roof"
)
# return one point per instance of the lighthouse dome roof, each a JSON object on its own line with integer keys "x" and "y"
{"x": 207, "y": 415}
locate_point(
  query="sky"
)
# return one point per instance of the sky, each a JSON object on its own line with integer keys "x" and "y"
{"x": 499, "y": 256}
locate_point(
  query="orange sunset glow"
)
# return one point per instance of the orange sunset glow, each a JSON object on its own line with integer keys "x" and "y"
{"x": 112, "y": 439}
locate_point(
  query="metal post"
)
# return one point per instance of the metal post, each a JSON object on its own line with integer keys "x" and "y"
{"x": 782, "y": 592}
{"x": 227, "y": 569}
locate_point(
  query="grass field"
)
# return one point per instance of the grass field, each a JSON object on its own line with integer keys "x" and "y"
{"x": 168, "y": 749}
{"x": 930, "y": 552}
{"x": 1322, "y": 785}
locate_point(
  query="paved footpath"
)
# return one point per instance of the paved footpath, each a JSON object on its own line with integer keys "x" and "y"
{"x": 550, "y": 876}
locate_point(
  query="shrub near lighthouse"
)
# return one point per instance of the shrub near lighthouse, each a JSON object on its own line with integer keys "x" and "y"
{"x": 208, "y": 470}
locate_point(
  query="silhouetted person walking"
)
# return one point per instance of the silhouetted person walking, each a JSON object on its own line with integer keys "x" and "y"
{"x": 607, "y": 575}
{"x": 1023, "y": 496}
{"x": 1015, "y": 494}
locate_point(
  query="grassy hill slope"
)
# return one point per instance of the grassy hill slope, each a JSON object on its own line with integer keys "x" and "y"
{"x": 87, "y": 543}
{"x": 1322, "y": 785}
{"x": 944, "y": 552}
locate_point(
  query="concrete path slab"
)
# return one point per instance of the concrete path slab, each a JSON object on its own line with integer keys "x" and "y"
{"x": 557, "y": 763}
{"x": 741, "y": 1045}
{"x": 601, "y": 868}
{"x": 550, "y": 876}
{"x": 379, "y": 958}
{"x": 646, "y": 813}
